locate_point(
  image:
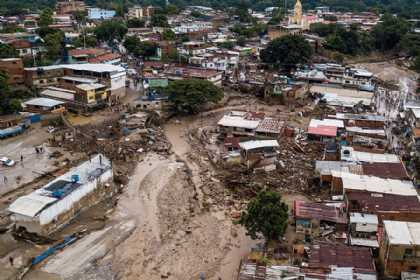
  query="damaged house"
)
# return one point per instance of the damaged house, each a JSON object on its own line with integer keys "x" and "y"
{"x": 258, "y": 153}
{"x": 54, "y": 205}
{"x": 312, "y": 217}
{"x": 241, "y": 123}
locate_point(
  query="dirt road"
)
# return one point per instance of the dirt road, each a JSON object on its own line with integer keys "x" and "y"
{"x": 176, "y": 238}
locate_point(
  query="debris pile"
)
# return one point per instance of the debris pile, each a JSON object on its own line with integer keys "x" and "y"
{"x": 117, "y": 142}
{"x": 293, "y": 173}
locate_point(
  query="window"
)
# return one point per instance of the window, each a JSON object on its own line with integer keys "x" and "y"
{"x": 412, "y": 268}
{"x": 408, "y": 253}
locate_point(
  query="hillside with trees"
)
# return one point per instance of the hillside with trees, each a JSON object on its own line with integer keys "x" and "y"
{"x": 405, "y": 8}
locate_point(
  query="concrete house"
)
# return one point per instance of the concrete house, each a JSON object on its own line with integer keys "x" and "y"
{"x": 363, "y": 229}
{"x": 400, "y": 248}
{"x": 54, "y": 205}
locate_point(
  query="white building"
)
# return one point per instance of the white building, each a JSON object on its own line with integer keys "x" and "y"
{"x": 55, "y": 204}
{"x": 363, "y": 229}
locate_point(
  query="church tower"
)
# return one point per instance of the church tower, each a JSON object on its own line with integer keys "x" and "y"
{"x": 297, "y": 13}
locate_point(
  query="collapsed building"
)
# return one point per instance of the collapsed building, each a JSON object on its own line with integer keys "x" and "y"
{"x": 51, "y": 207}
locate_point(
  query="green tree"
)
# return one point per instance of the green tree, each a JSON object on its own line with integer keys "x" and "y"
{"x": 189, "y": 96}
{"x": 227, "y": 45}
{"x": 266, "y": 214}
{"x": 242, "y": 12}
{"x": 349, "y": 41}
{"x": 135, "y": 23}
{"x": 111, "y": 30}
{"x": 14, "y": 105}
{"x": 54, "y": 44}
{"x": 80, "y": 16}
{"x": 139, "y": 48}
{"x": 8, "y": 103}
{"x": 45, "y": 18}
{"x": 11, "y": 28}
{"x": 388, "y": 33}
{"x": 287, "y": 51}
{"x": 89, "y": 41}
{"x": 159, "y": 20}
{"x": 168, "y": 35}
{"x": 172, "y": 9}
{"x": 410, "y": 44}
{"x": 7, "y": 51}
{"x": 276, "y": 17}
{"x": 322, "y": 29}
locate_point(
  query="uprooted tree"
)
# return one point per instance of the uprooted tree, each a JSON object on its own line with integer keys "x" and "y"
{"x": 267, "y": 215}
{"x": 190, "y": 95}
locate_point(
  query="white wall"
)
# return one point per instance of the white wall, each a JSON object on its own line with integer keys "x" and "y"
{"x": 65, "y": 204}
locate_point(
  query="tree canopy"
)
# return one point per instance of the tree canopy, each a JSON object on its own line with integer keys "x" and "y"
{"x": 388, "y": 33}
{"x": 159, "y": 20}
{"x": 189, "y": 96}
{"x": 168, "y": 34}
{"x": 8, "y": 103}
{"x": 54, "y": 42}
{"x": 266, "y": 214}
{"x": 135, "y": 23}
{"x": 351, "y": 41}
{"x": 45, "y": 18}
{"x": 7, "y": 51}
{"x": 111, "y": 30}
{"x": 287, "y": 51}
{"x": 139, "y": 48}
{"x": 89, "y": 41}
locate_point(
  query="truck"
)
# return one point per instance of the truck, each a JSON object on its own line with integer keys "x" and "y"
{"x": 11, "y": 131}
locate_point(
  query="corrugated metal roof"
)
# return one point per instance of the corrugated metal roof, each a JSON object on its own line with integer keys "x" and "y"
{"x": 30, "y": 205}
{"x": 255, "y": 144}
{"x": 42, "y": 101}
{"x": 364, "y": 242}
{"x": 363, "y": 218}
{"x": 326, "y": 122}
{"x": 402, "y": 233}
{"x": 238, "y": 121}
{"x": 353, "y": 155}
{"x": 375, "y": 184}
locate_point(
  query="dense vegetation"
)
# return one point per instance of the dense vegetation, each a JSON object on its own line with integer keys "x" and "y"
{"x": 8, "y": 101}
{"x": 405, "y": 8}
{"x": 392, "y": 35}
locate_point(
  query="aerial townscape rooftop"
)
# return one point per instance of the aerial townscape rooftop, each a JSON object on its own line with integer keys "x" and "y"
{"x": 234, "y": 140}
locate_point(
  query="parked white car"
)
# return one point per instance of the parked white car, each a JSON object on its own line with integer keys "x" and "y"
{"x": 7, "y": 161}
